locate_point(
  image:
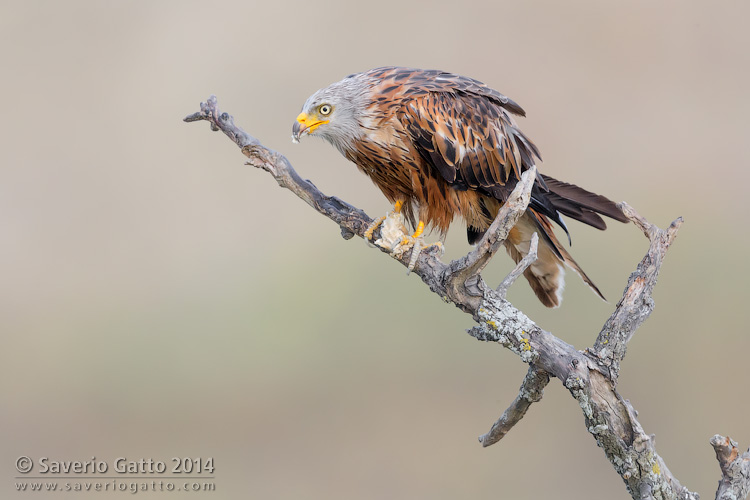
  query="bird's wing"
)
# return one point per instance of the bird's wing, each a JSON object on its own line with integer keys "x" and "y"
{"x": 473, "y": 144}
{"x": 464, "y": 130}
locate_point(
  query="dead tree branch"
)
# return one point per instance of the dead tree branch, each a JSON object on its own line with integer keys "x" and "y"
{"x": 636, "y": 303}
{"x": 735, "y": 469}
{"x": 531, "y": 391}
{"x": 590, "y": 376}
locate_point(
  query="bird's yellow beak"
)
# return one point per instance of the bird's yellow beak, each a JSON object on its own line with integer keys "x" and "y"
{"x": 304, "y": 124}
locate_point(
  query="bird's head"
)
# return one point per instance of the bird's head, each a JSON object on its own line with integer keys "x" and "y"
{"x": 334, "y": 113}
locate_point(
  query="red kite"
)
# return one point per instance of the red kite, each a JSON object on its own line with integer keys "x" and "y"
{"x": 440, "y": 145}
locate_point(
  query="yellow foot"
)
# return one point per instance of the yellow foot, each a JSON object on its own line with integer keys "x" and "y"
{"x": 438, "y": 245}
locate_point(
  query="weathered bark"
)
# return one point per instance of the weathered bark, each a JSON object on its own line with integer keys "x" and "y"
{"x": 531, "y": 391}
{"x": 590, "y": 376}
{"x": 735, "y": 469}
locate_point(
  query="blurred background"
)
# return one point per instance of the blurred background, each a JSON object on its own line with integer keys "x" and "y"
{"x": 161, "y": 299}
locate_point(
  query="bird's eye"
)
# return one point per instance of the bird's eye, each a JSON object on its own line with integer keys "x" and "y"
{"x": 325, "y": 109}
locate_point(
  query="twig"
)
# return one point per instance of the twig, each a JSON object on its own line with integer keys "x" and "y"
{"x": 531, "y": 391}
{"x": 522, "y": 265}
{"x": 222, "y": 121}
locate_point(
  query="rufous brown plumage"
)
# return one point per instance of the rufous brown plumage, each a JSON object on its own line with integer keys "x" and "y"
{"x": 445, "y": 145}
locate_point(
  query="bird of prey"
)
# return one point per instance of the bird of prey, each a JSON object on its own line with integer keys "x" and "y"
{"x": 440, "y": 145}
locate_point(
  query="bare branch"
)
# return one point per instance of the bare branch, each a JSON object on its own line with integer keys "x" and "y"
{"x": 636, "y": 303}
{"x": 517, "y": 271}
{"x": 589, "y": 376}
{"x": 531, "y": 391}
{"x": 735, "y": 469}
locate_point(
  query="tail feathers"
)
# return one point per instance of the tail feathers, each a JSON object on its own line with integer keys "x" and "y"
{"x": 581, "y": 205}
{"x": 575, "y": 267}
{"x": 547, "y": 274}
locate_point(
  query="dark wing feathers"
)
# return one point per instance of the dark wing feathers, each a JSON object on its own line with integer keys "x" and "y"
{"x": 470, "y": 143}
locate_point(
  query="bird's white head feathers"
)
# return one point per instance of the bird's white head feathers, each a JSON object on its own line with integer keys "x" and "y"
{"x": 336, "y": 113}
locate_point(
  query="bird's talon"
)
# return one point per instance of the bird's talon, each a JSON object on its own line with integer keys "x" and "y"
{"x": 438, "y": 244}
{"x": 372, "y": 227}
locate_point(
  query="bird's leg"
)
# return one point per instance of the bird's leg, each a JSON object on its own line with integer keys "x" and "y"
{"x": 419, "y": 230}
